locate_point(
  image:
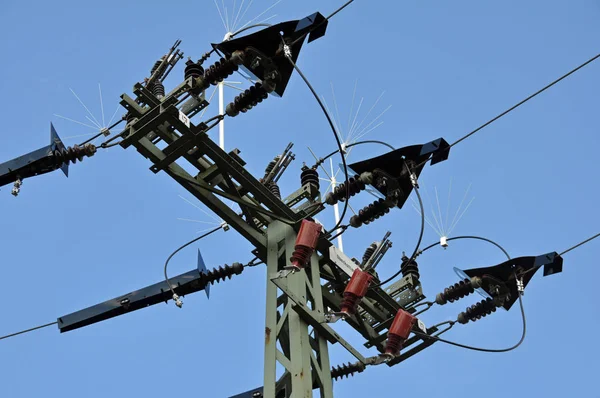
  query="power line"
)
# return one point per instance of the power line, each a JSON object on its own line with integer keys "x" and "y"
{"x": 519, "y": 104}
{"x": 28, "y": 330}
{"x": 324, "y": 21}
{"x": 580, "y": 244}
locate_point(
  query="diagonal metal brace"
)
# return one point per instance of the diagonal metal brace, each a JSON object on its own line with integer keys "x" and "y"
{"x": 316, "y": 320}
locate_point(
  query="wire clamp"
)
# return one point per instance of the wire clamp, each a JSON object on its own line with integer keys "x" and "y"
{"x": 444, "y": 241}
{"x": 520, "y": 286}
{"x": 16, "y": 188}
{"x": 105, "y": 131}
{"x": 413, "y": 180}
{"x": 178, "y": 302}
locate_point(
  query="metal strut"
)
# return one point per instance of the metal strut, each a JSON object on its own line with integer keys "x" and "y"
{"x": 305, "y": 357}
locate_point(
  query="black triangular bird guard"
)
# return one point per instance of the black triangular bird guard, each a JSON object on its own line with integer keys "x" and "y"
{"x": 266, "y": 44}
{"x": 392, "y": 164}
{"x": 504, "y": 272}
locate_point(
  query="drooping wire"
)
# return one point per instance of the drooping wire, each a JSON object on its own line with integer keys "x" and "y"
{"x": 426, "y": 336}
{"x": 337, "y": 139}
{"x": 27, "y": 330}
{"x": 183, "y": 247}
{"x": 519, "y": 104}
{"x": 416, "y": 251}
{"x": 467, "y": 237}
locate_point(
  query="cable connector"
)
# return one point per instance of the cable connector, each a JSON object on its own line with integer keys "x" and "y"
{"x": 520, "y": 286}
{"x": 379, "y": 359}
{"x": 178, "y": 302}
{"x": 413, "y": 180}
{"x": 287, "y": 50}
{"x": 16, "y": 188}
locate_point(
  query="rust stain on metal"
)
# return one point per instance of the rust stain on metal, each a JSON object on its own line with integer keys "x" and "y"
{"x": 267, "y": 335}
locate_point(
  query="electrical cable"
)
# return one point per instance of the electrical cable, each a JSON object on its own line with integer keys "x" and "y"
{"x": 426, "y": 336}
{"x": 105, "y": 144}
{"x": 321, "y": 160}
{"x": 252, "y": 263}
{"x": 429, "y": 305}
{"x": 563, "y": 253}
{"x": 416, "y": 251}
{"x": 343, "y": 229}
{"x": 580, "y": 244}
{"x": 268, "y": 25}
{"x": 337, "y": 139}
{"x": 218, "y": 117}
{"x": 519, "y": 104}
{"x": 319, "y": 25}
{"x": 421, "y": 304}
{"x": 183, "y": 247}
{"x": 115, "y": 124}
{"x": 468, "y": 237}
{"x": 27, "y": 330}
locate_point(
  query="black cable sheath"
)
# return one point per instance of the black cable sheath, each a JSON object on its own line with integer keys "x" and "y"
{"x": 115, "y": 124}
{"x": 428, "y": 337}
{"x": 183, "y": 247}
{"x": 468, "y": 237}
{"x": 337, "y": 139}
{"x": 27, "y": 330}
{"x": 326, "y": 19}
{"x": 250, "y": 27}
{"x": 580, "y": 244}
{"x": 520, "y": 103}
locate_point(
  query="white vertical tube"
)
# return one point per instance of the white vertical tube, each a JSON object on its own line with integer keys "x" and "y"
{"x": 222, "y": 122}
{"x": 222, "y": 105}
{"x": 336, "y": 208}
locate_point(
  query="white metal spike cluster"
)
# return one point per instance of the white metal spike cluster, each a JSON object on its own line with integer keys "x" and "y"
{"x": 212, "y": 224}
{"x": 444, "y": 225}
{"x": 92, "y": 121}
{"x": 356, "y": 128}
{"x": 232, "y": 22}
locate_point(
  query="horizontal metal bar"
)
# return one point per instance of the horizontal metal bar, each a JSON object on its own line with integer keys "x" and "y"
{"x": 183, "y": 284}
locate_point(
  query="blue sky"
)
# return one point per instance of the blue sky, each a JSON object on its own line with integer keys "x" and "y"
{"x": 446, "y": 67}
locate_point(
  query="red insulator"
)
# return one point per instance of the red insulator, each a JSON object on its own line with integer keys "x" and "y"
{"x": 399, "y": 332}
{"x": 306, "y": 242}
{"x": 355, "y": 291}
